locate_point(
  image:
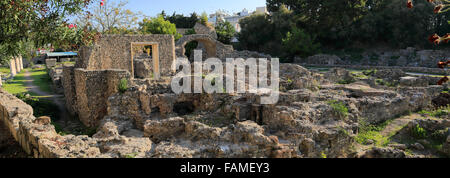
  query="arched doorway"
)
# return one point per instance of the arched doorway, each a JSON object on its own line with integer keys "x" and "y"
{"x": 203, "y": 41}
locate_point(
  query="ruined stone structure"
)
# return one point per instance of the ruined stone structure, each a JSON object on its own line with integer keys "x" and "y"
{"x": 115, "y": 52}
{"x": 99, "y": 69}
{"x": 149, "y": 120}
{"x": 410, "y": 57}
{"x": 213, "y": 47}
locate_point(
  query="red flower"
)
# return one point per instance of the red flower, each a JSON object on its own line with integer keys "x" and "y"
{"x": 446, "y": 37}
{"x": 409, "y": 4}
{"x": 434, "y": 39}
{"x": 443, "y": 64}
{"x": 71, "y": 26}
{"x": 438, "y": 8}
{"x": 443, "y": 80}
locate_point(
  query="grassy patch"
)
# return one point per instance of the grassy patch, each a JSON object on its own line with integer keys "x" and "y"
{"x": 345, "y": 82}
{"x": 386, "y": 83}
{"x": 16, "y": 85}
{"x": 440, "y": 112}
{"x": 419, "y": 132}
{"x": 370, "y": 72}
{"x": 123, "y": 85}
{"x": 339, "y": 108}
{"x": 4, "y": 70}
{"x": 368, "y": 132}
{"x": 42, "y": 80}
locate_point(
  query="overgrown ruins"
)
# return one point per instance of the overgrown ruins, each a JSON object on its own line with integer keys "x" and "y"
{"x": 149, "y": 120}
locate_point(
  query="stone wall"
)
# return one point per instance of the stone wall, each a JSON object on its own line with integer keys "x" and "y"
{"x": 68, "y": 83}
{"x": 39, "y": 139}
{"x": 56, "y": 75}
{"x": 49, "y": 63}
{"x": 92, "y": 89}
{"x": 404, "y": 69}
{"x": 207, "y": 30}
{"x": 114, "y": 52}
{"x": 409, "y": 57}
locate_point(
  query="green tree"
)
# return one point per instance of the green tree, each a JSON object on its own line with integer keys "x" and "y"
{"x": 204, "y": 18}
{"x": 395, "y": 24}
{"x": 32, "y": 21}
{"x": 225, "y": 32}
{"x": 264, "y": 33}
{"x": 183, "y": 22}
{"x": 299, "y": 43}
{"x": 158, "y": 25}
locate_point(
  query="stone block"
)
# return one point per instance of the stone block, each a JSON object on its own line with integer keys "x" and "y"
{"x": 50, "y": 63}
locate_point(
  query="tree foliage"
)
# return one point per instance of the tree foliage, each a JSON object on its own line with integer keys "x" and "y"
{"x": 299, "y": 43}
{"x": 225, "y": 32}
{"x": 343, "y": 24}
{"x": 34, "y": 21}
{"x": 158, "y": 25}
{"x": 181, "y": 21}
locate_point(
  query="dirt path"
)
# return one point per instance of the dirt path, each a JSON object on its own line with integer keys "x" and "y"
{"x": 56, "y": 99}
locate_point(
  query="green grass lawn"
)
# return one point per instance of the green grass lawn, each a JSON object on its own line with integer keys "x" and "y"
{"x": 42, "y": 80}
{"x": 4, "y": 70}
{"x": 18, "y": 84}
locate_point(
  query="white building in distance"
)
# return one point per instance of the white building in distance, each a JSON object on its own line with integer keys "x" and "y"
{"x": 234, "y": 19}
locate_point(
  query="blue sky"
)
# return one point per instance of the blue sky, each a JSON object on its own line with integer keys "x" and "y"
{"x": 186, "y": 7}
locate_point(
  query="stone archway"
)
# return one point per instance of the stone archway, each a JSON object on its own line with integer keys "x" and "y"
{"x": 213, "y": 47}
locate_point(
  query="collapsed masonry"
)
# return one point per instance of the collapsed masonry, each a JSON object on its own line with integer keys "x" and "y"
{"x": 149, "y": 120}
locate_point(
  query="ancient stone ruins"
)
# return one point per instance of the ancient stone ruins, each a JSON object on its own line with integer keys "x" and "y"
{"x": 149, "y": 120}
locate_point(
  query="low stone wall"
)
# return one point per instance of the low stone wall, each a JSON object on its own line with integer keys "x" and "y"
{"x": 409, "y": 57}
{"x": 68, "y": 83}
{"x": 405, "y": 69}
{"x": 39, "y": 139}
{"x": 56, "y": 75}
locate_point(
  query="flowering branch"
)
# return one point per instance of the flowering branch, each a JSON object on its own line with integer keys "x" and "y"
{"x": 442, "y": 7}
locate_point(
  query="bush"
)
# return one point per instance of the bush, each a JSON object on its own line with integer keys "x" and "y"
{"x": 299, "y": 43}
{"x": 372, "y": 132}
{"x": 418, "y": 132}
{"x": 123, "y": 85}
{"x": 159, "y": 25}
{"x": 339, "y": 108}
{"x": 225, "y": 32}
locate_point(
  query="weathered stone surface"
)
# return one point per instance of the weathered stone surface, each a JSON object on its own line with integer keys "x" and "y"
{"x": 167, "y": 128}
{"x": 339, "y": 75}
{"x": 143, "y": 69}
{"x": 322, "y": 59}
{"x": 92, "y": 88}
{"x": 413, "y": 82}
{"x": 390, "y": 74}
{"x": 49, "y": 63}
{"x": 44, "y": 120}
{"x": 207, "y": 30}
{"x": 409, "y": 57}
{"x": 383, "y": 153}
